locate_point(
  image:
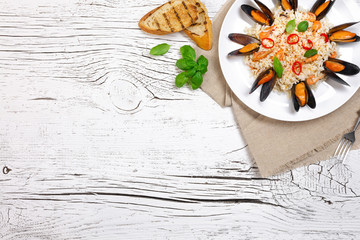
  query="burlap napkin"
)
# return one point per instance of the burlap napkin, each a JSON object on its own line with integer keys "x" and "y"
{"x": 275, "y": 145}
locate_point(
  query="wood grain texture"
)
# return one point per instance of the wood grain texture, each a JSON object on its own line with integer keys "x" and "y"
{"x": 96, "y": 142}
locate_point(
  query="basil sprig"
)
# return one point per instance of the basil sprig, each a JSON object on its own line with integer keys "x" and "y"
{"x": 185, "y": 63}
{"x": 303, "y": 26}
{"x": 278, "y": 67}
{"x": 188, "y": 52}
{"x": 202, "y": 64}
{"x": 181, "y": 79}
{"x": 193, "y": 70}
{"x": 160, "y": 49}
{"x": 310, "y": 53}
{"x": 290, "y": 26}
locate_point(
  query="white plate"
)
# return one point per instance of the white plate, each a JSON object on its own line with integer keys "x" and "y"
{"x": 329, "y": 95}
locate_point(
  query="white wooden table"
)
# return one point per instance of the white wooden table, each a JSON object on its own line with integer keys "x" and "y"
{"x": 96, "y": 142}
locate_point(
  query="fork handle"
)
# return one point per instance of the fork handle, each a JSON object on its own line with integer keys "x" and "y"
{"x": 357, "y": 124}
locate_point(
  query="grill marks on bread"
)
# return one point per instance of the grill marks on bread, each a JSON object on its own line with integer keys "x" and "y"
{"x": 173, "y": 16}
{"x": 185, "y": 6}
{"x": 191, "y": 16}
{"x": 201, "y": 31}
{"x": 178, "y": 18}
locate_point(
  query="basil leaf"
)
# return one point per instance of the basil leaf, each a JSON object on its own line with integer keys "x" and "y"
{"x": 181, "y": 79}
{"x": 191, "y": 72}
{"x": 185, "y": 63}
{"x": 196, "y": 80}
{"x": 160, "y": 49}
{"x": 278, "y": 67}
{"x": 202, "y": 61}
{"x": 188, "y": 52}
{"x": 303, "y": 26}
{"x": 310, "y": 53}
{"x": 290, "y": 26}
{"x": 203, "y": 69}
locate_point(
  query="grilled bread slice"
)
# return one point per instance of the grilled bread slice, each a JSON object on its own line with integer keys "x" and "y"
{"x": 173, "y": 16}
{"x": 201, "y": 32}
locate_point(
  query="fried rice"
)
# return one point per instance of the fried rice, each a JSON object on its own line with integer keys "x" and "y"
{"x": 292, "y": 52}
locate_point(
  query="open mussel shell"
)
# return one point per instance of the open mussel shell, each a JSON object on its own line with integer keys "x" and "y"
{"x": 289, "y": 4}
{"x": 339, "y": 35}
{"x": 257, "y": 15}
{"x": 269, "y": 78}
{"x": 243, "y": 39}
{"x": 302, "y": 96}
{"x": 341, "y": 67}
{"x": 267, "y": 88}
{"x": 334, "y": 77}
{"x": 266, "y": 10}
{"x": 321, "y": 8}
{"x": 343, "y": 36}
{"x": 246, "y": 50}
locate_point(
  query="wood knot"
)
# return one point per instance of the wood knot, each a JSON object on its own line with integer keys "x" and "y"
{"x": 125, "y": 95}
{"x": 6, "y": 170}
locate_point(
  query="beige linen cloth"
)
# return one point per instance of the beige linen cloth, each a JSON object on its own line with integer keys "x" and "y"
{"x": 278, "y": 146}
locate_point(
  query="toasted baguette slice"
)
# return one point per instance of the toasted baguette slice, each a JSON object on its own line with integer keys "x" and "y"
{"x": 201, "y": 32}
{"x": 173, "y": 16}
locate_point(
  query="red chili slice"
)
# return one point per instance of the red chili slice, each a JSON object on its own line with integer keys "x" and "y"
{"x": 310, "y": 43}
{"x": 297, "y": 68}
{"x": 272, "y": 43}
{"x": 289, "y": 39}
{"x": 325, "y": 36}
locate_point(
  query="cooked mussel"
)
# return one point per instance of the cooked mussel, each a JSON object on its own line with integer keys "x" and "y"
{"x": 338, "y": 34}
{"x": 246, "y": 50}
{"x": 267, "y": 79}
{"x": 302, "y": 96}
{"x": 266, "y": 11}
{"x": 289, "y": 4}
{"x": 333, "y": 66}
{"x": 344, "y": 36}
{"x": 251, "y": 44}
{"x": 341, "y": 67}
{"x": 263, "y": 16}
{"x": 321, "y": 8}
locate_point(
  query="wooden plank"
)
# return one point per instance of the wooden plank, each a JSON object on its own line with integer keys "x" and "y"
{"x": 102, "y": 145}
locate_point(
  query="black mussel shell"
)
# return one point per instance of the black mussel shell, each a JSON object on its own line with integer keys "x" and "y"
{"x": 266, "y": 10}
{"x": 311, "y": 102}
{"x": 323, "y": 13}
{"x": 294, "y": 99}
{"x": 349, "y": 70}
{"x": 341, "y": 27}
{"x": 249, "y": 9}
{"x": 293, "y": 4}
{"x": 334, "y": 77}
{"x": 266, "y": 87}
{"x": 261, "y": 75}
{"x": 243, "y": 39}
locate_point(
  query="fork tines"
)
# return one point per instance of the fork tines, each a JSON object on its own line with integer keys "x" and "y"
{"x": 343, "y": 148}
{"x": 346, "y": 142}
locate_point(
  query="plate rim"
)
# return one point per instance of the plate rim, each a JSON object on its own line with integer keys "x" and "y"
{"x": 279, "y": 118}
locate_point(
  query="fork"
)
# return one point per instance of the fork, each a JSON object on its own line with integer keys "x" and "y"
{"x": 346, "y": 142}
